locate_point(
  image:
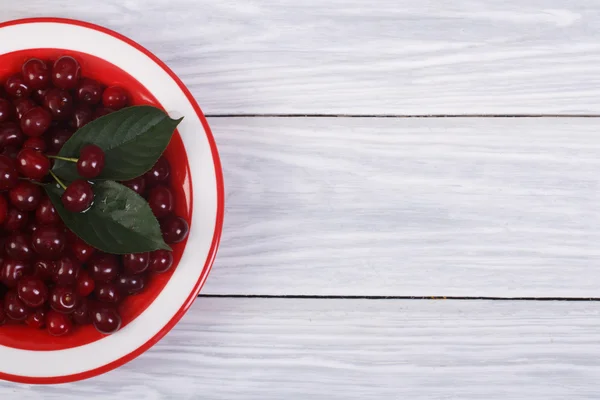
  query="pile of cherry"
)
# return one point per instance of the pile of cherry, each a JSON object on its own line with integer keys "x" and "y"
{"x": 49, "y": 277}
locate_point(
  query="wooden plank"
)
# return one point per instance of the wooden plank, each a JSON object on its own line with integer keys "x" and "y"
{"x": 357, "y": 349}
{"x": 421, "y": 206}
{"x": 350, "y": 57}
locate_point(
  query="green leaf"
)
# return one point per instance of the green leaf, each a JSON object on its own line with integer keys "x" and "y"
{"x": 132, "y": 139}
{"x": 119, "y": 222}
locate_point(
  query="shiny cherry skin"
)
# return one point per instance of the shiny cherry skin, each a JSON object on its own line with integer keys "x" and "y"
{"x": 91, "y": 161}
{"x": 106, "y": 320}
{"x": 161, "y": 201}
{"x": 66, "y": 72}
{"x": 63, "y": 299}
{"x": 131, "y": 284}
{"x": 46, "y": 214}
{"x": 89, "y": 92}
{"x": 6, "y": 110}
{"x": 78, "y": 196}
{"x": 26, "y": 196}
{"x": 57, "y": 138}
{"x": 32, "y": 291}
{"x": 18, "y": 246}
{"x": 135, "y": 263}
{"x": 159, "y": 173}
{"x": 49, "y": 242}
{"x": 16, "y": 87}
{"x": 16, "y": 220}
{"x": 138, "y": 185}
{"x": 82, "y": 115}
{"x": 161, "y": 261}
{"x": 36, "y": 122}
{"x": 58, "y": 324}
{"x": 23, "y": 105}
{"x": 59, "y": 103}
{"x": 12, "y": 271}
{"x": 107, "y": 292}
{"x": 174, "y": 229}
{"x": 103, "y": 267}
{"x": 81, "y": 250}
{"x": 3, "y": 209}
{"x": 32, "y": 164}
{"x": 15, "y": 308}
{"x": 82, "y": 313}
{"x": 37, "y": 319}
{"x": 36, "y": 143}
{"x": 44, "y": 269}
{"x": 11, "y": 135}
{"x": 36, "y": 74}
{"x": 9, "y": 177}
{"x": 85, "y": 284}
{"x": 38, "y": 95}
{"x": 67, "y": 271}
{"x": 115, "y": 97}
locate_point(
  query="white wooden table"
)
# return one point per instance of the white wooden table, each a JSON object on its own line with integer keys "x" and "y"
{"x": 374, "y": 152}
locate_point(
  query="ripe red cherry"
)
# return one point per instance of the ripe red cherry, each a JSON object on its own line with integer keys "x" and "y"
{"x": 63, "y": 299}
{"x": 58, "y": 324}
{"x": 57, "y": 139}
{"x": 12, "y": 271}
{"x": 138, "y": 185}
{"x": 174, "y": 229}
{"x": 66, "y": 72}
{"x": 36, "y": 74}
{"x": 59, "y": 103}
{"x": 9, "y": 177}
{"x": 11, "y": 135}
{"x": 114, "y": 97}
{"x": 91, "y": 161}
{"x": 3, "y": 209}
{"x": 32, "y": 291}
{"x": 161, "y": 201}
{"x": 78, "y": 196}
{"x": 13, "y": 306}
{"x": 35, "y": 143}
{"x": 103, "y": 267}
{"x": 107, "y": 292}
{"x": 26, "y": 196}
{"x": 85, "y": 284}
{"x": 89, "y": 92}
{"x": 44, "y": 269}
{"x": 159, "y": 173}
{"x": 36, "y": 121}
{"x": 6, "y": 110}
{"x": 15, "y": 220}
{"x": 81, "y": 314}
{"x": 135, "y": 263}
{"x": 82, "y": 115}
{"x": 15, "y": 86}
{"x": 46, "y": 214}
{"x": 81, "y": 250}
{"x": 23, "y": 105}
{"x": 131, "y": 284}
{"x": 18, "y": 246}
{"x": 67, "y": 271}
{"x": 38, "y": 95}
{"x": 161, "y": 261}
{"x": 37, "y": 320}
{"x": 48, "y": 242}
{"x": 33, "y": 164}
{"x": 106, "y": 320}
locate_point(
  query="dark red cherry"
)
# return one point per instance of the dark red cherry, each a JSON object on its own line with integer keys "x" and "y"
{"x": 131, "y": 284}
{"x": 12, "y": 271}
{"x": 44, "y": 269}
{"x": 35, "y": 122}
{"x": 3, "y": 209}
{"x": 91, "y": 161}
{"x": 89, "y": 92}
{"x": 32, "y": 164}
{"x": 81, "y": 314}
{"x": 106, "y": 320}
{"x": 32, "y": 291}
{"x": 135, "y": 263}
{"x": 58, "y": 324}
{"x": 46, "y": 214}
{"x": 103, "y": 267}
{"x": 67, "y": 271}
{"x": 18, "y": 246}
{"x": 161, "y": 261}
{"x": 15, "y": 86}
{"x": 36, "y": 320}
{"x": 35, "y": 143}
{"x": 36, "y": 74}
{"x": 85, "y": 284}
{"x": 82, "y": 115}
{"x": 114, "y": 97}
{"x": 161, "y": 201}
{"x": 11, "y": 135}
{"x": 16, "y": 220}
{"x": 174, "y": 229}
{"x": 49, "y": 242}
{"x": 6, "y": 110}
{"x": 57, "y": 138}
{"x": 138, "y": 185}
{"x": 9, "y": 177}
{"x": 13, "y": 306}
{"x": 38, "y": 95}
{"x": 78, "y": 196}
{"x": 81, "y": 250}
{"x": 101, "y": 112}
{"x": 26, "y": 196}
{"x": 63, "y": 299}
{"x": 23, "y": 105}
{"x": 59, "y": 103}
{"x": 107, "y": 292}
{"x": 3, "y": 317}
{"x": 66, "y": 72}
{"x": 159, "y": 173}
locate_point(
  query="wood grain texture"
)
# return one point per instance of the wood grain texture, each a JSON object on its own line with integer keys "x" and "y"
{"x": 409, "y": 206}
{"x": 351, "y": 57}
{"x": 359, "y": 349}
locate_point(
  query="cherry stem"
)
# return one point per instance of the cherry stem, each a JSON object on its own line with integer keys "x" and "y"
{"x": 62, "y": 185}
{"x": 70, "y": 159}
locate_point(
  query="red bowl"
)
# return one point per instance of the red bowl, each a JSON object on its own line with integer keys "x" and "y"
{"x": 106, "y": 57}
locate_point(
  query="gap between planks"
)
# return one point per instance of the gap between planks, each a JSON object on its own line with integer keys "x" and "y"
{"x": 325, "y": 297}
